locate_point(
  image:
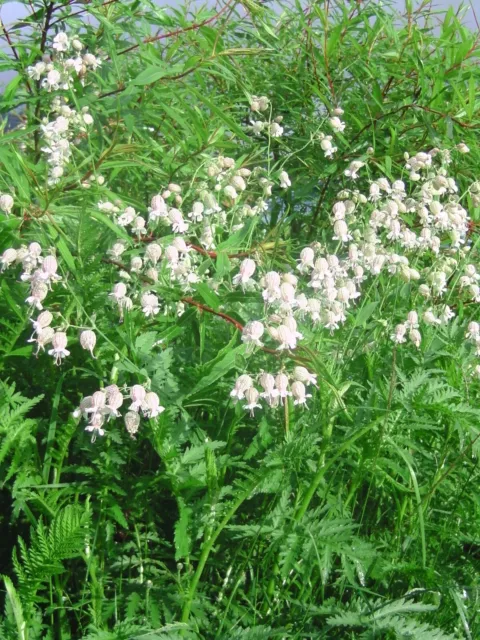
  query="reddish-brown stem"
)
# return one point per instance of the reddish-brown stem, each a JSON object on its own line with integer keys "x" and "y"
{"x": 204, "y": 307}
{"x": 178, "y": 32}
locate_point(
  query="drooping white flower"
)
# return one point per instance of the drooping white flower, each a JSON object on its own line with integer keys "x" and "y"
{"x": 353, "y": 169}
{"x": 59, "y": 347}
{"x": 242, "y": 384}
{"x": 307, "y": 257}
{"x": 37, "y": 295}
{"x": 275, "y": 130}
{"x": 270, "y": 393}
{"x": 247, "y": 269}
{"x": 412, "y": 320}
{"x": 6, "y": 203}
{"x": 302, "y": 374}
{"x": 415, "y": 336}
{"x": 399, "y": 335}
{"x": 114, "y": 401}
{"x": 43, "y": 320}
{"x": 151, "y": 405}
{"x": 252, "y": 332}
{"x": 137, "y": 394}
{"x": 42, "y": 338}
{"x": 8, "y": 257}
{"x": 119, "y": 291}
{"x": 61, "y": 42}
{"x": 96, "y": 425}
{"x": 178, "y": 223}
{"x": 150, "y": 304}
{"x": 336, "y": 124}
{"x": 281, "y": 382}
{"x": 88, "y": 340}
{"x": 251, "y": 396}
{"x": 285, "y": 181}
{"x": 299, "y": 393}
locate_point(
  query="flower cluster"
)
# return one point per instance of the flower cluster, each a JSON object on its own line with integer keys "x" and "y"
{"x": 58, "y": 133}
{"x": 268, "y": 126}
{"x": 276, "y": 389}
{"x": 56, "y": 71}
{"x": 105, "y": 404}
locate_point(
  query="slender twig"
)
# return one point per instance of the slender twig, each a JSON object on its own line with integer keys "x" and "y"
{"x": 43, "y": 41}
{"x": 178, "y": 32}
{"x": 77, "y": 13}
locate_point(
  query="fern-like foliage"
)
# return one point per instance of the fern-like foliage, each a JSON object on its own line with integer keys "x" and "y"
{"x": 17, "y": 432}
{"x": 49, "y": 547}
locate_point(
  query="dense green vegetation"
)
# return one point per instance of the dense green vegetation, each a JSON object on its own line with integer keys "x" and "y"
{"x": 239, "y": 350}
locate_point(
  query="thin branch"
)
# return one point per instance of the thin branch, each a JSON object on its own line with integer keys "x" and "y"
{"x": 178, "y": 32}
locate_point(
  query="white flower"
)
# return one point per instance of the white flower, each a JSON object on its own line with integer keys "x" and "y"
{"x": 119, "y": 291}
{"x": 230, "y": 192}
{"x": 52, "y": 81}
{"x": 327, "y": 147}
{"x": 8, "y": 257}
{"x": 196, "y": 213}
{"x": 415, "y": 337}
{"x": 137, "y": 394}
{"x": 96, "y": 425}
{"x": 247, "y": 269}
{"x": 307, "y": 257}
{"x": 340, "y": 229}
{"x": 91, "y": 61}
{"x": 251, "y": 396}
{"x": 299, "y": 393}
{"x": 412, "y": 320}
{"x": 252, "y": 332}
{"x": 267, "y": 381}
{"x": 473, "y": 331}
{"x": 285, "y": 181}
{"x": 153, "y": 252}
{"x": 6, "y": 203}
{"x": 114, "y": 401}
{"x": 430, "y": 318}
{"x": 136, "y": 264}
{"x": 275, "y": 130}
{"x": 37, "y": 70}
{"x": 38, "y": 293}
{"x": 353, "y": 169}
{"x": 281, "y": 382}
{"x": 151, "y": 405}
{"x": 88, "y": 340}
{"x": 303, "y": 375}
{"x": 242, "y": 384}
{"x": 61, "y": 42}
{"x": 337, "y": 124}
{"x": 44, "y": 320}
{"x": 462, "y": 147}
{"x": 43, "y": 337}
{"x": 286, "y": 337}
{"x": 59, "y": 344}
{"x": 399, "y": 336}
{"x": 257, "y": 126}
{"x": 150, "y": 304}
{"x": 178, "y": 223}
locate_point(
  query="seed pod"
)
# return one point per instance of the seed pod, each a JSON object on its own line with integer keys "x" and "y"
{"x": 132, "y": 422}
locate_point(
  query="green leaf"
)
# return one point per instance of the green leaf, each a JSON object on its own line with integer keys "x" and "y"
{"x": 220, "y": 369}
{"x": 208, "y": 295}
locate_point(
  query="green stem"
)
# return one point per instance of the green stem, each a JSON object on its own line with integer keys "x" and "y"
{"x": 325, "y": 467}
{"x": 208, "y": 545}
